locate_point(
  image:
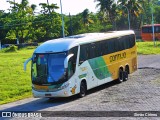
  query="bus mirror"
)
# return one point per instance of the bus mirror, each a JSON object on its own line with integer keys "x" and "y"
{"x": 67, "y": 59}
{"x": 26, "y": 62}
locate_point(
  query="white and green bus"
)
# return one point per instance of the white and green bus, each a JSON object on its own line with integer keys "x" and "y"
{"x": 72, "y": 65}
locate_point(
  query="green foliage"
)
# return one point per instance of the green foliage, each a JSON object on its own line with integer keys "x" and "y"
{"x": 156, "y": 14}
{"x": 11, "y": 48}
{"x": 23, "y": 24}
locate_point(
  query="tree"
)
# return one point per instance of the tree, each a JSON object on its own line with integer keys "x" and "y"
{"x": 86, "y": 18}
{"x": 47, "y": 9}
{"x": 109, "y": 9}
{"x": 156, "y": 13}
{"x": 18, "y": 20}
{"x": 51, "y": 20}
{"x": 3, "y": 30}
{"x": 135, "y": 9}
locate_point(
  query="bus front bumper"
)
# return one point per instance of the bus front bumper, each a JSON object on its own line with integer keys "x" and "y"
{"x": 60, "y": 93}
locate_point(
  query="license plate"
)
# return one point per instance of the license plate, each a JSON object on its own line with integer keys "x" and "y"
{"x": 48, "y": 95}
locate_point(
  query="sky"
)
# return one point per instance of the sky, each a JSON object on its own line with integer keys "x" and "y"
{"x": 68, "y": 6}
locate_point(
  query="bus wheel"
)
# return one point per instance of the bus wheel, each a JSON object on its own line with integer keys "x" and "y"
{"x": 83, "y": 89}
{"x": 121, "y": 74}
{"x": 125, "y": 75}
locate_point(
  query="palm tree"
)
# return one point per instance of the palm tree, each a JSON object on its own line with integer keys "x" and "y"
{"x": 53, "y": 7}
{"x": 24, "y": 4}
{"x": 48, "y": 8}
{"x": 109, "y": 9}
{"x": 33, "y": 6}
{"x": 86, "y": 18}
{"x": 135, "y": 9}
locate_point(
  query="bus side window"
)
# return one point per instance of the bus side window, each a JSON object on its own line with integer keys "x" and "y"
{"x": 98, "y": 49}
{"x": 92, "y": 50}
{"x": 149, "y": 29}
{"x": 74, "y": 58}
{"x": 87, "y": 52}
{"x": 101, "y": 48}
{"x": 131, "y": 40}
{"x": 111, "y": 46}
{"x": 145, "y": 29}
{"x": 157, "y": 29}
{"x": 82, "y": 56}
{"x": 118, "y": 44}
{"x": 71, "y": 68}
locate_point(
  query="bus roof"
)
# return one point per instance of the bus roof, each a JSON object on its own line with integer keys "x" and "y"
{"x": 150, "y": 25}
{"x": 64, "y": 44}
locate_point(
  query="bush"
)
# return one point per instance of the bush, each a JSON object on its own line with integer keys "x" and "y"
{"x": 11, "y": 48}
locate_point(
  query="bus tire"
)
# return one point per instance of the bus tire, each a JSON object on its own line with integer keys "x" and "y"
{"x": 125, "y": 75}
{"x": 83, "y": 89}
{"x": 120, "y": 76}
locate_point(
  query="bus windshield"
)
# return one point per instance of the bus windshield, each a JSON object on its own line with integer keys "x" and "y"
{"x": 48, "y": 68}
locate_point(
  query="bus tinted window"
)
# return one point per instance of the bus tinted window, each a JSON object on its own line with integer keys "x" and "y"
{"x": 92, "y": 50}
{"x": 131, "y": 41}
{"x": 96, "y": 49}
{"x": 74, "y": 51}
{"x": 147, "y": 29}
{"x": 104, "y": 47}
{"x": 157, "y": 29}
{"x": 110, "y": 46}
{"x": 84, "y": 52}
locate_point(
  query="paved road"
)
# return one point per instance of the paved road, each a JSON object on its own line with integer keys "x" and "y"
{"x": 151, "y": 61}
{"x": 140, "y": 93}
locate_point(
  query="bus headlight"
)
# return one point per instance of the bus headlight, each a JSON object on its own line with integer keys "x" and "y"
{"x": 65, "y": 85}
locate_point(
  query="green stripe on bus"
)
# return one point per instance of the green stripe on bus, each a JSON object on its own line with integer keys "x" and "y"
{"x": 99, "y": 68}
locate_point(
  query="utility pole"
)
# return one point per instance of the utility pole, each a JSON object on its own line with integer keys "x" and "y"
{"x": 70, "y": 19}
{"x": 153, "y": 35}
{"x": 128, "y": 17}
{"x": 15, "y": 11}
{"x": 62, "y": 20}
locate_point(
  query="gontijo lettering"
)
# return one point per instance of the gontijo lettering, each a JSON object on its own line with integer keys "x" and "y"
{"x": 117, "y": 57}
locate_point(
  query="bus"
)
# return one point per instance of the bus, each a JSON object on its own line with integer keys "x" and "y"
{"x": 72, "y": 65}
{"x": 147, "y": 32}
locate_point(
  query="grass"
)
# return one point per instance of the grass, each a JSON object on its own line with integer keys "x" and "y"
{"x": 147, "y": 48}
{"x": 15, "y": 83}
